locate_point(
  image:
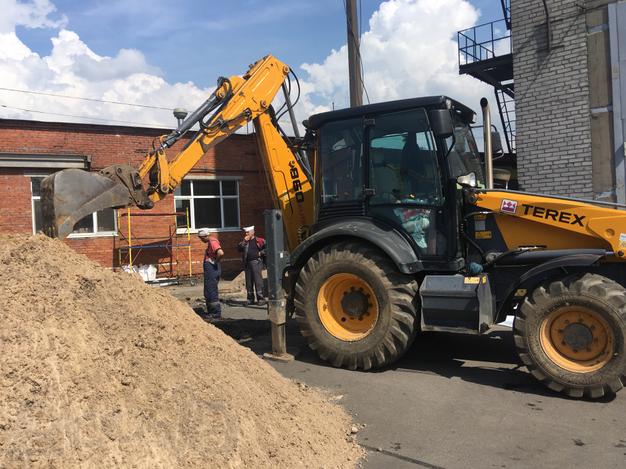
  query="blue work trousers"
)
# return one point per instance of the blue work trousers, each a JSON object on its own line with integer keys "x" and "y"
{"x": 212, "y": 274}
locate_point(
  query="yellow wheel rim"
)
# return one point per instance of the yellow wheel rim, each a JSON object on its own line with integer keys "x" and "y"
{"x": 347, "y": 307}
{"x": 577, "y": 339}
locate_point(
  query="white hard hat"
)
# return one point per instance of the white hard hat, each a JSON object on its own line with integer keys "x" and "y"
{"x": 248, "y": 228}
{"x": 203, "y": 232}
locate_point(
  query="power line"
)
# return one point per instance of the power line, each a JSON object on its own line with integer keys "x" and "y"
{"x": 82, "y": 117}
{"x": 120, "y": 103}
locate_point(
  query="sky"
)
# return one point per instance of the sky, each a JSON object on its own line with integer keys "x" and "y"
{"x": 167, "y": 54}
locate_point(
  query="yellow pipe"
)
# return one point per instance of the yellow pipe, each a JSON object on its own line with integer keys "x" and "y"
{"x": 188, "y": 242}
{"x": 130, "y": 243}
{"x": 119, "y": 234}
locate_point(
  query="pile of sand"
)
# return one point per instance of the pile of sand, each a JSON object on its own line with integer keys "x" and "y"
{"x": 99, "y": 370}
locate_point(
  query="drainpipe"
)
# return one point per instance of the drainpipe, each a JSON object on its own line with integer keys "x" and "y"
{"x": 548, "y": 24}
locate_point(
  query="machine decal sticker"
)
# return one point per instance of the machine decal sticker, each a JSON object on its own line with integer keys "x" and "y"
{"x": 568, "y": 218}
{"x": 297, "y": 185}
{"x": 508, "y": 206}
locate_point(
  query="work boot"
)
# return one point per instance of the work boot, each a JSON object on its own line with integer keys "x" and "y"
{"x": 214, "y": 309}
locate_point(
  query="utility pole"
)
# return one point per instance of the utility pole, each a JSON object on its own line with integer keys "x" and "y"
{"x": 354, "y": 58}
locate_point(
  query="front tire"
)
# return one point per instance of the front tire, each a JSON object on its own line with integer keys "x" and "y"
{"x": 354, "y": 308}
{"x": 571, "y": 335}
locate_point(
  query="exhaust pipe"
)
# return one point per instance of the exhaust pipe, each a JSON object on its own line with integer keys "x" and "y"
{"x": 484, "y": 104}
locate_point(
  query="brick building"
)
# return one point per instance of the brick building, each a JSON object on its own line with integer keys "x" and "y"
{"x": 563, "y": 96}
{"x": 225, "y": 190}
{"x": 558, "y": 68}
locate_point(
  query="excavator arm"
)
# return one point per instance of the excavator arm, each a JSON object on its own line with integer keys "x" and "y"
{"x": 70, "y": 195}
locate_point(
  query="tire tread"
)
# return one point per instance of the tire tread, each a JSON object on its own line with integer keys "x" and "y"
{"x": 587, "y": 284}
{"x": 402, "y": 293}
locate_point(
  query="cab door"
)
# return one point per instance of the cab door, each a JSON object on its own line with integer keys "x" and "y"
{"x": 406, "y": 180}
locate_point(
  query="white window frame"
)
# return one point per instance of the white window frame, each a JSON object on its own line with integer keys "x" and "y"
{"x": 94, "y": 234}
{"x": 191, "y": 197}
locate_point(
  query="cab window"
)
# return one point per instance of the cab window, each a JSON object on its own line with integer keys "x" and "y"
{"x": 341, "y": 161}
{"x": 403, "y": 159}
{"x": 463, "y": 157}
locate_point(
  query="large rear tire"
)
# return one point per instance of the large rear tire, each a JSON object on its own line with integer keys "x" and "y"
{"x": 354, "y": 308}
{"x": 571, "y": 335}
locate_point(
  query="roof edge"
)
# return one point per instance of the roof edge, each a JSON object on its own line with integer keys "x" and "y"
{"x": 317, "y": 120}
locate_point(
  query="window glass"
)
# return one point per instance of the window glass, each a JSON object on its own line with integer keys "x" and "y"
{"x": 106, "y": 220}
{"x": 36, "y": 186}
{"x": 85, "y": 225}
{"x": 214, "y": 204}
{"x": 184, "y": 188}
{"x": 182, "y": 205}
{"x": 463, "y": 157}
{"x": 229, "y": 187}
{"x": 37, "y": 212}
{"x": 206, "y": 187}
{"x": 231, "y": 212}
{"x": 406, "y": 178}
{"x": 341, "y": 159}
{"x": 208, "y": 213}
{"x": 404, "y": 166}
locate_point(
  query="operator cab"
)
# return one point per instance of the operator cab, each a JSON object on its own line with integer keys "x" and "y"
{"x": 397, "y": 163}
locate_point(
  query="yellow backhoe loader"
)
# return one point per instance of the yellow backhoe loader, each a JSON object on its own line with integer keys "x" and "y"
{"x": 392, "y": 230}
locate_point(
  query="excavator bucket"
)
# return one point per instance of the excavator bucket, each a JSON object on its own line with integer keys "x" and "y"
{"x": 72, "y": 194}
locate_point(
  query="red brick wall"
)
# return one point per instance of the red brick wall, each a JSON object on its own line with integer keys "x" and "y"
{"x": 106, "y": 145}
{"x": 15, "y": 202}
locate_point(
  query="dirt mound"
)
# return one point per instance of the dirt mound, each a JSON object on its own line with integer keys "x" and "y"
{"x": 99, "y": 370}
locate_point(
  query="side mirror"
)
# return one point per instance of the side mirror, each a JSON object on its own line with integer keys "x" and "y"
{"x": 441, "y": 122}
{"x": 467, "y": 180}
{"x": 496, "y": 142}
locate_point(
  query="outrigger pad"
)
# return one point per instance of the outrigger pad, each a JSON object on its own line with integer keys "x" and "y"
{"x": 70, "y": 195}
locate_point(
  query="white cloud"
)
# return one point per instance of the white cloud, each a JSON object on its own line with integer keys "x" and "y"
{"x": 73, "y": 69}
{"x": 35, "y": 14}
{"x": 408, "y": 50}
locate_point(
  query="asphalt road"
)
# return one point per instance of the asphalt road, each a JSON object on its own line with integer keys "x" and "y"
{"x": 454, "y": 401}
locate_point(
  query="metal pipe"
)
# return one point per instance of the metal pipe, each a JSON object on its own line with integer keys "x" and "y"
{"x": 188, "y": 242}
{"x": 130, "y": 250}
{"x": 292, "y": 116}
{"x": 301, "y": 155}
{"x": 484, "y": 104}
{"x": 191, "y": 120}
{"x": 277, "y": 259}
{"x": 548, "y": 24}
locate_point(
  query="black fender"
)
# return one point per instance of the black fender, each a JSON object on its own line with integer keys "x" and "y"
{"x": 386, "y": 238}
{"x": 542, "y": 272}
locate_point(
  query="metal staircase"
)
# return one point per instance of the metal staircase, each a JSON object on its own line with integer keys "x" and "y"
{"x": 506, "y": 11}
{"x": 505, "y": 97}
{"x": 485, "y": 53}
